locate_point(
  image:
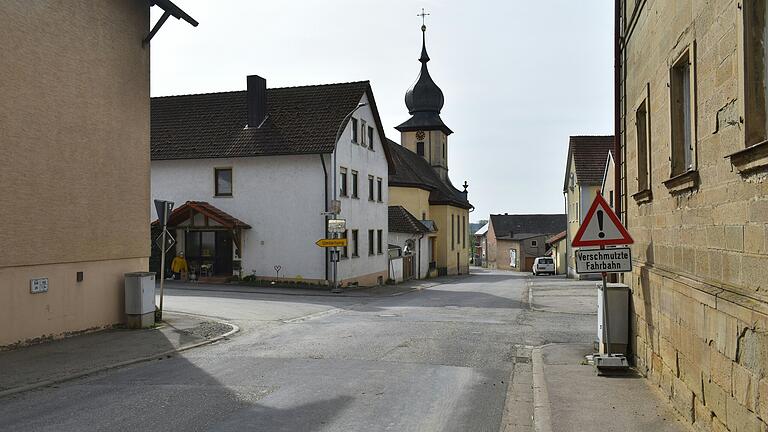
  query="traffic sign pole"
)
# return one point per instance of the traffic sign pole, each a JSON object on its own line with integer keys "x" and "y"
{"x": 162, "y": 274}
{"x": 606, "y": 334}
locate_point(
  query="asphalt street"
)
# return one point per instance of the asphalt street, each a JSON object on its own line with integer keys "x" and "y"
{"x": 438, "y": 359}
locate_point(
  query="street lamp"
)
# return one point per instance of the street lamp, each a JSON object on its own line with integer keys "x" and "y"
{"x": 335, "y": 288}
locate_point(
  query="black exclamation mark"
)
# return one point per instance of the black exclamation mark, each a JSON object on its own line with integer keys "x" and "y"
{"x": 600, "y": 223}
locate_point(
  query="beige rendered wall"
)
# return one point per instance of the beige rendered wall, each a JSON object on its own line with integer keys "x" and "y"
{"x": 700, "y": 279}
{"x": 447, "y": 253}
{"x": 558, "y": 253}
{"x": 434, "y": 141}
{"x": 68, "y": 306}
{"x": 74, "y": 165}
{"x": 415, "y": 200}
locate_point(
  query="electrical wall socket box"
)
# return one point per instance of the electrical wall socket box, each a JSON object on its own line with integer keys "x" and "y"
{"x": 38, "y": 285}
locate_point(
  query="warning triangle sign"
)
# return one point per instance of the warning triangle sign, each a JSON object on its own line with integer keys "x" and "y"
{"x": 601, "y": 227}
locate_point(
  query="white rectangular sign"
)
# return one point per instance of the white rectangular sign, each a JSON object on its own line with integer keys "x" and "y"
{"x": 610, "y": 260}
{"x": 337, "y": 225}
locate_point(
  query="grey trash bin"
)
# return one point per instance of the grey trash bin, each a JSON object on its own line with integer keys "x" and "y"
{"x": 140, "y": 299}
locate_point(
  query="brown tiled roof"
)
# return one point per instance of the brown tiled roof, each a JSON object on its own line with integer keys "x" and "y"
{"x": 300, "y": 120}
{"x": 412, "y": 170}
{"x": 516, "y": 227}
{"x": 184, "y": 212}
{"x": 556, "y": 238}
{"x": 402, "y": 221}
{"x": 589, "y": 154}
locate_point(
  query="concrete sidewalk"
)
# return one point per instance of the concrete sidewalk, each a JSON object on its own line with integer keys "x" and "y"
{"x": 60, "y": 360}
{"x": 576, "y": 399}
{"x": 559, "y": 392}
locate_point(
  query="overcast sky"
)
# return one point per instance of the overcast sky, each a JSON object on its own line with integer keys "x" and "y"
{"x": 519, "y": 77}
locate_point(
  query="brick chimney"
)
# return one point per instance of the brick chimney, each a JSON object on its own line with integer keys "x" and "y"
{"x": 257, "y": 100}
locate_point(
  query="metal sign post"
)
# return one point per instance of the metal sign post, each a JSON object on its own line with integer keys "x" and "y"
{"x": 335, "y": 227}
{"x": 163, "y": 211}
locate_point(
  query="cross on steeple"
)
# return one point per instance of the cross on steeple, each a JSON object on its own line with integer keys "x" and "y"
{"x": 423, "y": 16}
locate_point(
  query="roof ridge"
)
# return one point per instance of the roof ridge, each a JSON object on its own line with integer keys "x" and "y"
{"x": 269, "y": 88}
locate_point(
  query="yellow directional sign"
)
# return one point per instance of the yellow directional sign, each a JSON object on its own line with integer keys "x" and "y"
{"x": 340, "y": 242}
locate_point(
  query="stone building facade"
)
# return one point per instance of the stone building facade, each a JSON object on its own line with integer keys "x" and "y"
{"x": 695, "y": 198}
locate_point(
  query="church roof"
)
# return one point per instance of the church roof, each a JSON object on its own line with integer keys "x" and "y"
{"x": 300, "y": 120}
{"x": 412, "y": 170}
{"x": 424, "y": 99}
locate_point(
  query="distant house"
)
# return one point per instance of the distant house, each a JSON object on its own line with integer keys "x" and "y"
{"x": 584, "y": 173}
{"x": 481, "y": 245}
{"x": 514, "y": 241}
{"x": 263, "y": 161}
{"x": 74, "y": 170}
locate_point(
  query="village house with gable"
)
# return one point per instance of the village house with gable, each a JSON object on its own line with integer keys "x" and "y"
{"x": 513, "y": 242}
{"x": 584, "y": 174}
{"x": 252, "y": 175}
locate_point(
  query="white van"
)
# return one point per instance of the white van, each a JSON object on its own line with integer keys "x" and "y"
{"x": 543, "y": 265}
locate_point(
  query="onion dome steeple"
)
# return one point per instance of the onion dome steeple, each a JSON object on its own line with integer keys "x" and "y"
{"x": 424, "y": 98}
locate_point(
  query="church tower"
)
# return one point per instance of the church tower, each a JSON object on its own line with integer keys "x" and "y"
{"x": 425, "y": 133}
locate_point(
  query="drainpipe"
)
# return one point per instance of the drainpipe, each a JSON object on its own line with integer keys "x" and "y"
{"x": 617, "y": 107}
{"x": 419, "y": 264}
{"x": 325, "y": 220}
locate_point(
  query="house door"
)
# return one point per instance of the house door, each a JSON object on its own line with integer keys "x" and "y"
{"x": 407, "y": 267}
{"x": 529, "y": 264}
{"x": 223, "y": 260}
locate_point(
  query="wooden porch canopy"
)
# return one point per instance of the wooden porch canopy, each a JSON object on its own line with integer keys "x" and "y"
{"x": 201, "y": 216}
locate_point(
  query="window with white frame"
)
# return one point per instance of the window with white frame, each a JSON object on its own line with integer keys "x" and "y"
{"x": 363, "y": 133}
{"x": 682, "y": 115}
{"x": 370, "y": 138}
{"x": 354, "y": 184}
{"x": 755, "y": 52}
{"x": 371, "y": 191}
{"x": 342, "y": 181}
{"x": 354, "y": 130}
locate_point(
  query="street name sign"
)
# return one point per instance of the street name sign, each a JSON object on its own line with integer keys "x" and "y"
{"x": 340, "y": 242}
{"x": 610, "y": 260}
{"x": 601, "y": 227}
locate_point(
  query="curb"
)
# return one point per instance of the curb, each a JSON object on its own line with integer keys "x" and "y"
{"x": 542, "y": 421}
{"x": 157, "y": 356}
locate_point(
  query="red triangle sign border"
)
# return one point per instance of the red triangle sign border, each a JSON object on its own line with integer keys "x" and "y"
{"x": 600, "y": 202}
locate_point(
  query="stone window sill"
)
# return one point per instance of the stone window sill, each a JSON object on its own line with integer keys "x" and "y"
{"x": 642, "y": 197}
{"x": 683, "y": 182}
{"x": 750, "y": 159}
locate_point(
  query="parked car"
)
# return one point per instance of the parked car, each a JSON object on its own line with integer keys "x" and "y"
{"x": 543, "y": 265}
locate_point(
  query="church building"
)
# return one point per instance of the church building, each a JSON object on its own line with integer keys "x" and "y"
{"x": 420, "y": 183}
